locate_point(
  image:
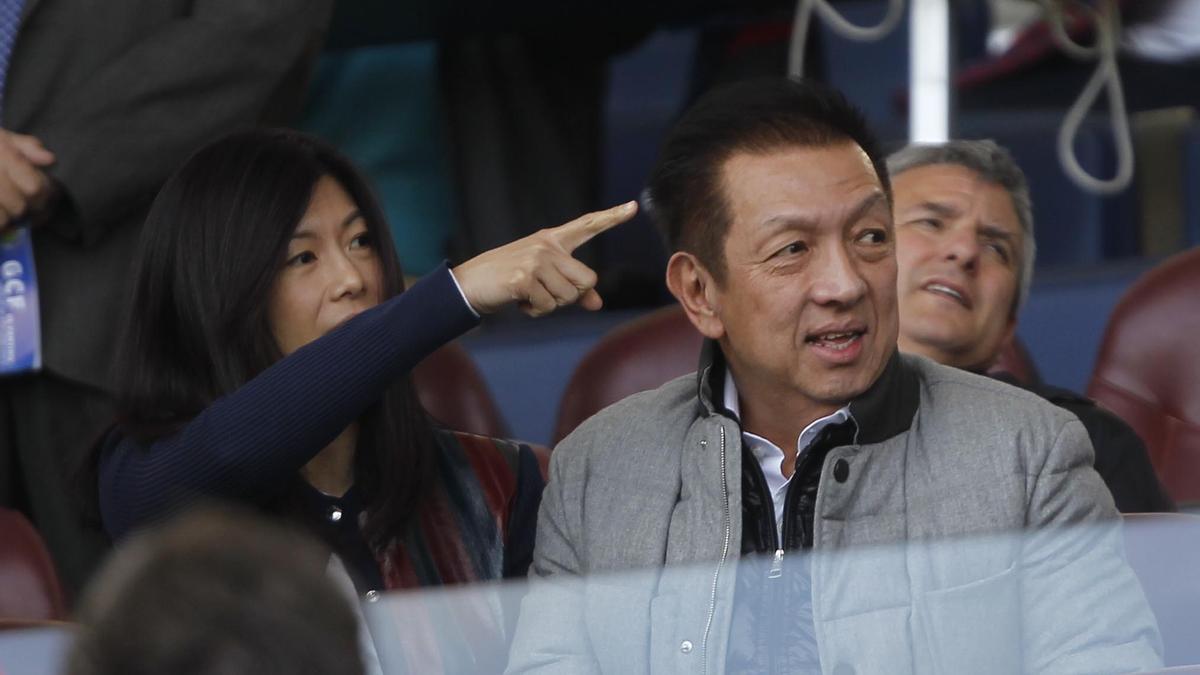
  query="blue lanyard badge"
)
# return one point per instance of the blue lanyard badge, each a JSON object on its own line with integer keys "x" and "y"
{"x": 20, "y": 321}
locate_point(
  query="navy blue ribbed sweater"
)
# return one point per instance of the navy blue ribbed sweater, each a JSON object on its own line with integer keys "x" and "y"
{"x": 247, "y": 444}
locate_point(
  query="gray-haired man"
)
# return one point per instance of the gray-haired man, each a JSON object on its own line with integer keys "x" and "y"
{"x": 964, "y": 253}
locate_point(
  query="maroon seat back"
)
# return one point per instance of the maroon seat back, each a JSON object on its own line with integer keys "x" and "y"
{"x": 1148, "y": 369}
{"x": 454, "y": 393}
{"x": 29, "y": 587}
{"x": 1164, "y": 551}
{"x": 637, "y": 356}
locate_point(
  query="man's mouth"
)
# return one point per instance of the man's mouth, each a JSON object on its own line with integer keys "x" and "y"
{"x": 949, "y": 292}
{"x": 838, "y": 341}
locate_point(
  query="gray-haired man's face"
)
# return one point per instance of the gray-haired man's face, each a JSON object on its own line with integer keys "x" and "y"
{"x": 958, "y": 250}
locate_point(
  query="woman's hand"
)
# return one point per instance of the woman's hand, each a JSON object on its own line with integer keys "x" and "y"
{"x": 538, "y": 272}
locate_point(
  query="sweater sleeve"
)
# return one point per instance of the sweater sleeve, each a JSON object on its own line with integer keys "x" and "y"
{"x": 246, "y": 444}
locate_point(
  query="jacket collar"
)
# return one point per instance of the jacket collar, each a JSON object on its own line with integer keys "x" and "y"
{"x": 884, "y": 410}
{"x": 710, "y": 380}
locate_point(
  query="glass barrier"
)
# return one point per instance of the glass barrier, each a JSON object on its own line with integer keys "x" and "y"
{"x": 34, "y": 651}
{"x": 1065, "y": 600}
{"x": 1069, "y": 600}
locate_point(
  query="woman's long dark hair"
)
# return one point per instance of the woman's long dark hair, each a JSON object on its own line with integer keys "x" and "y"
{"x": 214, "y": 241}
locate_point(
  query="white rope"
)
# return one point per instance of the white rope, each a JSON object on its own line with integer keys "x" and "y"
{"x": 1107, "y": 76}
{"x": 839, "y": 24}
{"x": 1057, "y": 22}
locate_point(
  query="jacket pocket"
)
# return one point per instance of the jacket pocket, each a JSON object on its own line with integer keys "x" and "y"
{"x": 971, "y": 628}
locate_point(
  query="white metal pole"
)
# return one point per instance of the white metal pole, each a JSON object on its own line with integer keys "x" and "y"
{"x": 929, "y": 89}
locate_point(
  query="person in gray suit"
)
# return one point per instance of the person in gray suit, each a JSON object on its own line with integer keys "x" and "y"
{"x": 102, "y": 101}
{"x": 811, "y": 500}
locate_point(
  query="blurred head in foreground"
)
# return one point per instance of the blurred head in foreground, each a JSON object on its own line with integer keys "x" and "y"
{"x": 216, "y": 591}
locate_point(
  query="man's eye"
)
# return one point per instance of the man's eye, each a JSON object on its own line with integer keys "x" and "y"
{"x": 931, "y": 223}
{"x": 1000, "y": 250}
{"x": 794, "y": 248}
{"x": 873, "y": 237}
{"x": 302, "y": 258}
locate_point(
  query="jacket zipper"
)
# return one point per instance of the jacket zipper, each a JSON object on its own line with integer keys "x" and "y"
{"x": 776, "y": 565}
{"x": 778, "y": 532}
{"x": 712, "y": 605}
{"x": 776, "y": 570}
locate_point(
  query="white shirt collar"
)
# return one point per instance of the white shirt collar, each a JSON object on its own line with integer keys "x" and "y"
{"x": 810, "y": 432}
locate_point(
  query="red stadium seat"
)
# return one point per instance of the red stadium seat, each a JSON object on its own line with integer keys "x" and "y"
{"x": 29, "y": 587}
{"x": 454, "y": 393}
{"x": 640, "y": 355}
{"x": 1148, "y": 370}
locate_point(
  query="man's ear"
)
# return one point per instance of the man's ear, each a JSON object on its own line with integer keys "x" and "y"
{"x": 695, "y": 289}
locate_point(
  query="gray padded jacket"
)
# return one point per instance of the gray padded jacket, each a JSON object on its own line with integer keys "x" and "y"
{"x": 945, "y": 550}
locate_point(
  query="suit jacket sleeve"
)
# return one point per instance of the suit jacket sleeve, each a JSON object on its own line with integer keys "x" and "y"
{"x": 1083, "y": 608}
{"x": 216, "y": 69}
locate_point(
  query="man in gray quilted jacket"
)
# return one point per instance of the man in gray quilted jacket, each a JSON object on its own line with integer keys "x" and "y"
{"x": 811, "y": 500}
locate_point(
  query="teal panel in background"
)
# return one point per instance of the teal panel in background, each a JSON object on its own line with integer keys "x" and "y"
{"x": 380, "y": 106}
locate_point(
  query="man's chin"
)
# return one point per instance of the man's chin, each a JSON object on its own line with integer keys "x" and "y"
{"x": 935, "y": 342}
{"x": 842, "y": 387}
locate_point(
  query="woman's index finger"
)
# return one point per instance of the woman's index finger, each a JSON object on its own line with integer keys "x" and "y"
{"x": 578, "y": 232}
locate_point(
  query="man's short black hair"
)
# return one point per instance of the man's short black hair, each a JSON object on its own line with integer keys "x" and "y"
{"x": 759, "y": 116}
